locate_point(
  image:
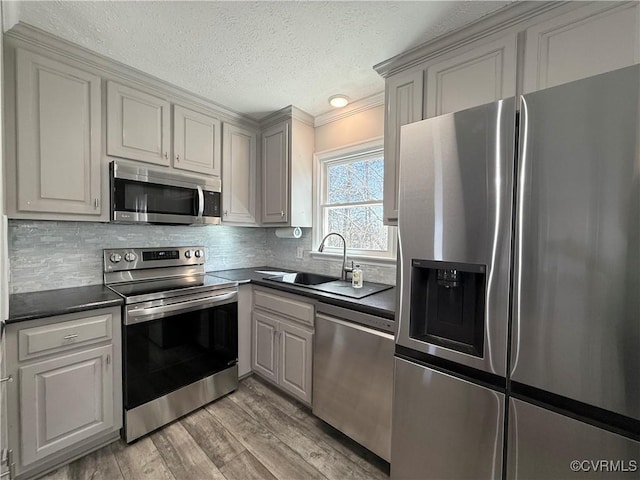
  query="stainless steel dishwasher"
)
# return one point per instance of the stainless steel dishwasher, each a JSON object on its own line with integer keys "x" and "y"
{"x": 353, "y": 375}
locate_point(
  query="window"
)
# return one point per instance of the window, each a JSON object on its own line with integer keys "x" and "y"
{"x": 350, "y": 202}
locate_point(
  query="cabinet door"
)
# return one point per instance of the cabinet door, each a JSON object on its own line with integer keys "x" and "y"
{"x": 137, "y": 125}
{"x": 275, "y": 174}
{"x": 295, "y": 360}
{"x": 264, "y": 352}
{"x": 238, "y": 175}
{"x": 64, "y": 401}
{"x": 587, "y": 41}
{"x": 404, "y": 98}
{"x": 475, "y": 77}
{"x": 58, "y": 134}
{"x": 196, "y": 141}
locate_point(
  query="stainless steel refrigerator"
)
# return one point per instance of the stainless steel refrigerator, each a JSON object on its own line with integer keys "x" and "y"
{"x": 518, "y": 345}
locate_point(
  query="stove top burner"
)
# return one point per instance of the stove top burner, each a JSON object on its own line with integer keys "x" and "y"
{"x": 156, "y": 289}
{"x": 143, "y": 274}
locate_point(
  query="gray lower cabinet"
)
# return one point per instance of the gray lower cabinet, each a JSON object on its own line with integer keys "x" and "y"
{"x": 282, "y": 341}
{"x": 66, "y": 397}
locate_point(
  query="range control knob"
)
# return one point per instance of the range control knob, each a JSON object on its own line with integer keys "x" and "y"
{"x": 115, "y": 257}
{"x": 199, "y": 253}
{"x": 187, "y": 254}
{"x": 130, "y": 257}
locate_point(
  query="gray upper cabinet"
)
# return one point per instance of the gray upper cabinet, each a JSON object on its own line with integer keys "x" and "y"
{"x": 275, "y": 174}
{"x": 138, "y": 125}
{"x": 196, "y": 141}
{"x": 525, "y": 47}
{"x": 593, "y": 39}
{"x": 404, "y": 99}
{"x": 472, "y": 77}
{"x": 58, "y": 131}
{"x": 288, "y": 142}
{"x": 238, "y": 175}
{"x": 464, "y": 78}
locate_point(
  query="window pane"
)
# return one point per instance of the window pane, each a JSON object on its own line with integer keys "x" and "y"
{"x": 356, "y": 181}
{"x": 361, "y": 226}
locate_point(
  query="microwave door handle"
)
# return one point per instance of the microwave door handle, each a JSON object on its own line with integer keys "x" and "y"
{"x": 200, "y": 202}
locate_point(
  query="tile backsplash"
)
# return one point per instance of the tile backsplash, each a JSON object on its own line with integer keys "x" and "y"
{"x": 45, "y": 255}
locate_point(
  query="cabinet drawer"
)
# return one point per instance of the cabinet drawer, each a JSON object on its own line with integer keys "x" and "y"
{"x": 38, "y": 341}
{"x": 300, "y": 311}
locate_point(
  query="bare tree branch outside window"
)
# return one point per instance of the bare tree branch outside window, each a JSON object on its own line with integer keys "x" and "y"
{"x": 352, "y": 202}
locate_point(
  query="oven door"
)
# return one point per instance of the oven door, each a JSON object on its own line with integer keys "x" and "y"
{"x": 171, "y": 343}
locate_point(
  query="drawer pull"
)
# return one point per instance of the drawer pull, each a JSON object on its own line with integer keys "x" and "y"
{"x": 70, "y": 336}
{"x": 7, "y": 379}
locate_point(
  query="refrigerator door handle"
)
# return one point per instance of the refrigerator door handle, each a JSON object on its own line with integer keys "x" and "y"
{"x": 519, "y": 234}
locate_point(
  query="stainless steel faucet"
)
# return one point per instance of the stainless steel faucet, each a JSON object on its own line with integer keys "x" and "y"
{"x": 345, "y": 269}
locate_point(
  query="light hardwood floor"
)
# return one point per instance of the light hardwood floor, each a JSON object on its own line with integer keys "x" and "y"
{"x": 254, "y": 433}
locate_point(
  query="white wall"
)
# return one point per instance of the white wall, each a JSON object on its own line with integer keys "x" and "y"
{"x": 355, "y": 128}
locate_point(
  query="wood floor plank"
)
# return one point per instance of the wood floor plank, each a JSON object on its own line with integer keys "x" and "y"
{"x": 279, "y": 459}
{"x": 291, "y": 432}
{"x": 61, "y": 473}
{"x": 246, "y": 467}
{"x": 318, "y": 430}
{"x": 286, "y": 403}
{"x": 141, "y": 460}
{"x": 216, "y": 441}
{"x": 240, "y": 436}
{"x": 183, "y": 456}
{"x": 99, "y": 465}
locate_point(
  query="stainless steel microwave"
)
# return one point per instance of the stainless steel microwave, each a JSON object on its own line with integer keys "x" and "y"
{"x": 142, "y": 195}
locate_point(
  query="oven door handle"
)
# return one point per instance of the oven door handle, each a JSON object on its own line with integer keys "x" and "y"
{"x": 153, "y": 313}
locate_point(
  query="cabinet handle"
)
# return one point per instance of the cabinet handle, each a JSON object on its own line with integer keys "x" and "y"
{"x": 70, "y": 336}
{"x": 108, "y": 359}
{"x": 96, "y": 203}
{"x": 166, "y": 155}
{"x": 282, "y": 213}
{"x": 226, "y": 213}
{"x": 178, "y": 158}
{"x": 7, "y": 379}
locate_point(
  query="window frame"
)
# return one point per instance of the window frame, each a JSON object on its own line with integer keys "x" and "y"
{"x": 346, "y": 154}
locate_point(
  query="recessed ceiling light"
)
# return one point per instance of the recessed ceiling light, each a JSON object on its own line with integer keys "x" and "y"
{"x": 338, "y": 101}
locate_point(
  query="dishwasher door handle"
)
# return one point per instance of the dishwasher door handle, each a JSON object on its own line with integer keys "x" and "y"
{"x": 355, "y": 326}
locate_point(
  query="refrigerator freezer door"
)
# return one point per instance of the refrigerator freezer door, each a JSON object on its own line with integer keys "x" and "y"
{"x": 455, "y": 198}
{"x": 444, "y": 427}
{"x": 576, "y": 318}
{"x": 543, "y": 445}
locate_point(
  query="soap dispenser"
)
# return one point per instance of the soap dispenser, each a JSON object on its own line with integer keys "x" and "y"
{"x": 356, "y": 277}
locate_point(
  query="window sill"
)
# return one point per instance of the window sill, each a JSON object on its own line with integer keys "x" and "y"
{"x": 368, "y": 260}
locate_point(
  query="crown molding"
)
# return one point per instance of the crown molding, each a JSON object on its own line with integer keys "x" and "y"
{"x": 287, "y": 113}
{"x": 491, "y": 24}
{"x": 353, "y": 108}
{"x": 40, "y": 41}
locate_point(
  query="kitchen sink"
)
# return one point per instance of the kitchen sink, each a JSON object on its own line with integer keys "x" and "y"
{"x": 302, "y": 278}
{"x": 327, "y": 284}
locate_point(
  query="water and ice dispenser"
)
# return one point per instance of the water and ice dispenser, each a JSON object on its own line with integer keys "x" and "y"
{"x": 448, "y": 305}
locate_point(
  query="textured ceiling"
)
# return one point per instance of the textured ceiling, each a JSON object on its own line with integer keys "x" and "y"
{"x": 253, "y": 57}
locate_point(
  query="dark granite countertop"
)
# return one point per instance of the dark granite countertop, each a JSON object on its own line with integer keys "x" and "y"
{"x": 47, "y": 303}
{"x": 381, "y": 304}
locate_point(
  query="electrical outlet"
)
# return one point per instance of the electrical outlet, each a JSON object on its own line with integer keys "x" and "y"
{"x": 300, "y": 253}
